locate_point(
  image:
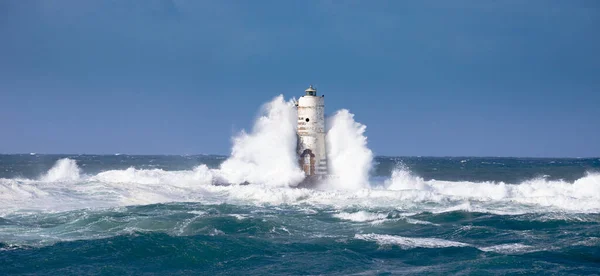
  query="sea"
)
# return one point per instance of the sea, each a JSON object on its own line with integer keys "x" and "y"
{"x": 245, "y": 213}
{"x": 138, "y": 215}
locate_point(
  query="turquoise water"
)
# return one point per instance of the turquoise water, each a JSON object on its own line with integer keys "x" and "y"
{"x": 159, "y": 215}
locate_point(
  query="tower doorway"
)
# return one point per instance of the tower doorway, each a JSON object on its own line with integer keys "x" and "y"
{"x": 307, "y": 162}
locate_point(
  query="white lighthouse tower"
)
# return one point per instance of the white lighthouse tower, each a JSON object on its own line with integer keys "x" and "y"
{"x": 312, "y": 154}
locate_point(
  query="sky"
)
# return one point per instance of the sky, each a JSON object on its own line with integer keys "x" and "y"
{"x": 427, "y": 78}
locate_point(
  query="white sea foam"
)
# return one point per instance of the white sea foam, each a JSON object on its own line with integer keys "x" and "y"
{"x": 405, "y": 193}
{"x": 512, "y": 248}
{"x": 590, "y": 241}
{"x": 239, "y": 216}
{"x": 350, "y": 159}
{"x": 199, "y": 213}
{"x": 378, "y": 218}
{"x": 408, "y": 243}
{"x": 266, "y": 155}
{"x": 417, "y": 221}
{"x": 198, "y": 176}
{"x": 582, "y": 195}
{"x": 64, "y": 170}
{"x": 361, "y": 216}
{"x": 266, "y": 158}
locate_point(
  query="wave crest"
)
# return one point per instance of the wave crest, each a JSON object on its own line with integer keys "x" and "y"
{"x": 350, "y": 160}
{"x": 582, "y": 195}
{"x": 409, "y": 243}
{"x": 64, "y": 188}
{"x": 266, "y": 155}
{"x": 201, "y": 175}
{"x": 64, "y": 170}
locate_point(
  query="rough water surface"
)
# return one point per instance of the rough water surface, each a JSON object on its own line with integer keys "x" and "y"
{"x": 125, "y": 214}
{"x": 122, "y": 214}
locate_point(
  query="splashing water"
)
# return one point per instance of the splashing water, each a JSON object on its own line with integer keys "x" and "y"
{"x": 402, "y": 190}
{"x": 350, "y": 160}
{"x": 266, "y": 155}
{"x": 266, "y": 158}
{"x": 64, "y": 170}
{"x": 582, "y": 195}
{"x": 131, "y": 210}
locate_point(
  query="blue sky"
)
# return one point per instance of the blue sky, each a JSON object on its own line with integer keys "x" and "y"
{"x": 429, "y": 78}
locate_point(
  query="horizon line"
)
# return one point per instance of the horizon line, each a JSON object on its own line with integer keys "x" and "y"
{"x": 374, "y": 156}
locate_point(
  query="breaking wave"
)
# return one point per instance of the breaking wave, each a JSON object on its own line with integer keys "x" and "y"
{"x": 379, "y": 218}
{"x": 67, "y": 189}
{"x": 64, "y": 170}
{"x": 582, "y": 195}
{"x": 266, "y": 158}
{"x": 409, "y": 243}
{"x": 267, "y": 155}
{"x": 350, "y": 160}
{"x": 361, "y": 216}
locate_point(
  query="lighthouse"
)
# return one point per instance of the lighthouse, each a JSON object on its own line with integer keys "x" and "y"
{"x": 312, "y": 154}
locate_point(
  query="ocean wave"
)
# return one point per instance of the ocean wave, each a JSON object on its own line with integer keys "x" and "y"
{"x": 379, "y": 218}
{"x": 265, "y": 157}
{"x": 413, "y": 242}
{"x": 64, "y": 170}
{"x": 409, "y": 243}
{"x": 512, "y": 248}
{"x": 349, "y": 158}
{"x": 361, "y": 216}
{"x": 582, "y": 195}
{"x": 65, "y": 188}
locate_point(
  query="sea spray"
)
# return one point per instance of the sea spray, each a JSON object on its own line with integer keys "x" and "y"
{"x": 266, "y": 158}
{"x": 200, "y": 175}
{"x": 350, "y": 160}
{"x": 267, "y": 154}
{"x": 64, "y": 170}
{"x": 405, "y": 191}
{"x": 582, "y": 195}
{"x": 403, "y": 179}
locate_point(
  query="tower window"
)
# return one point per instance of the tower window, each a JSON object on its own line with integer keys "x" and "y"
{"x": 307, "y": 120}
